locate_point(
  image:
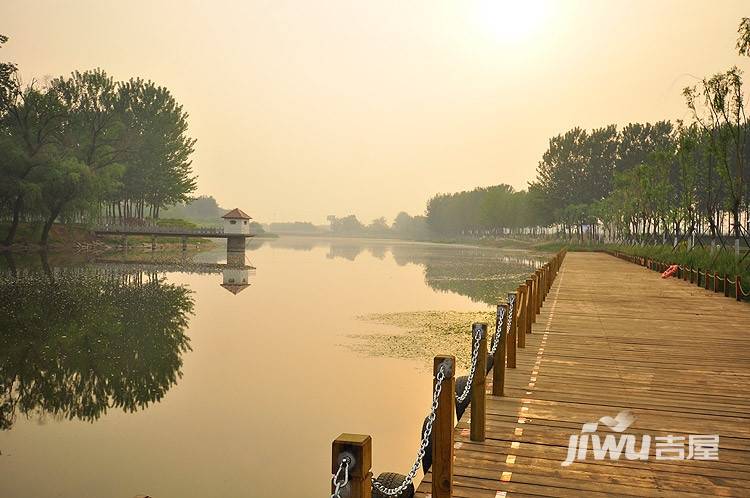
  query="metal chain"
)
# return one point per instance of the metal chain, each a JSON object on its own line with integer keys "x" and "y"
{"x": 511, "y": 306}
{"x": 422, "y": 447}
{"x": 498, "y": 332}
{"x": 339, "y": 485}
{"x": 472, "y": 371}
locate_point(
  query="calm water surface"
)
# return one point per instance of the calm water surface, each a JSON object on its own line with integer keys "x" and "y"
{"x": 123, "y": 379}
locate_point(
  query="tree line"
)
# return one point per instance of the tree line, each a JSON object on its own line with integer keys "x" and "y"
{"x": 645, "y": 182}
{"x": 404, "y": 226}
{"x": 88, "y": 148}
{"x": 495, "y": 210}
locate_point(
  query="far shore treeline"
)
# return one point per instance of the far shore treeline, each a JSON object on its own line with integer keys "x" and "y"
{"x": 657, "y": 182}
{"x": 85, "y": 147}
{"x": 646, "y": 181}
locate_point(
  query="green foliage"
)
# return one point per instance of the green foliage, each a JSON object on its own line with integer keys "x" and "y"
{"x": 498, "y": 209}
{"x": 720, "y": 262}
{"x": 87, "y": 147}
{"x": 406, "y": 226}
{"x": 202, "y": 208}
{"x": 645, "y": 183}
{"x": 743, "y": 39}
{"x": 75, "y": 344}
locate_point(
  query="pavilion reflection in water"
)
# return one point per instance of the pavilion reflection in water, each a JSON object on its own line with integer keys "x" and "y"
{"x": 236, "y": 274}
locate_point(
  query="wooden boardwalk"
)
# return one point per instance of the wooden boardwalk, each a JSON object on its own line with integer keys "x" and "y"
{"x": 614, "y": 336}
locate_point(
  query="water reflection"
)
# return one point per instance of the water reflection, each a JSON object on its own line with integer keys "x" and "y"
{"x": 96, "y": 337}
{"x": 483, "y": 274}
{"x": 76, "y": 342}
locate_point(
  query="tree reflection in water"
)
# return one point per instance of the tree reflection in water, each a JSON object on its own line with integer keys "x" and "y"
{"x": 74, "y": 343}
{"x": 483, "y": 274}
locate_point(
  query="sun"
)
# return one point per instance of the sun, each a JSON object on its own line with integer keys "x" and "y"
{"x": 513, "y": 21}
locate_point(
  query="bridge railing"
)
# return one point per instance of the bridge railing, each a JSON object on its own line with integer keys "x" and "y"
{"x": 156, "y": 229}
{"x": 351, "y": 458}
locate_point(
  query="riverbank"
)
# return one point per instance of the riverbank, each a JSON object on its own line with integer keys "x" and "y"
{"x": 76, "y": 238}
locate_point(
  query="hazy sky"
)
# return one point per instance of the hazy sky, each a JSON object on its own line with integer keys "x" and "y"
{"x": 309, "y": 108}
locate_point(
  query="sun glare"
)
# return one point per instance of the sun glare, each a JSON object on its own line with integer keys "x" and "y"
{"x": 512, "y": 21}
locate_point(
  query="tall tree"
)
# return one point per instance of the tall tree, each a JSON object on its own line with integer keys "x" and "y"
{"x": 34, "y": 121}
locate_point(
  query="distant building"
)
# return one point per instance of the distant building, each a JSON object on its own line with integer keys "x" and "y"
{"x": 237, "y": 221}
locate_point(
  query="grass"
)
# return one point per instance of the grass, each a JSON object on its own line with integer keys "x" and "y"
{"x": 66, "y": 236}
{"x": 30, "y": 233}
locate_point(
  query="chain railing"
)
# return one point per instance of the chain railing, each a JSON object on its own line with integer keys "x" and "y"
{"x": 701, "y": 278}
{"x": 339, "y": 485}
{"x": 498, "y": 329}
{"x": 472, "y": 370}
{"x": 437, "y": 432}
{"x": 425, "y": 439}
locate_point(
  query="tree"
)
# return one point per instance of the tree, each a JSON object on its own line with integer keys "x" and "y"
{"x": 718, "y": 108}
{"x": 158, "y": 164}
{"x": 8, "y": 79}
{"x": 347, "y": 225}
{"x": 378, "y": 226}
{"x": 33, "y": 123}
{"x": 743, "y": 39}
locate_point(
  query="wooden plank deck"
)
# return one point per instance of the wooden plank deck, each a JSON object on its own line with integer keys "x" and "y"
{"x": 614, "y": 336}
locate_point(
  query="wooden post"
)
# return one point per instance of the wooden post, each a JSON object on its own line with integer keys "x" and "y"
{"x": 737, "y": 288}
{"x": 356, "y": 447}
{"x": 529, "y": 310}
{"x": 726, "y": 285}
{"x": 498, "y": 368}
{"x": 706, "y": 280}
{"x": 510, "y": 340}
{"x": 442, "y": 429}
{"x": 479, "y": 386}
{"x": 538, "y": 293}
{"x": 716, "y": 282}
{"x": 523, "y": 314}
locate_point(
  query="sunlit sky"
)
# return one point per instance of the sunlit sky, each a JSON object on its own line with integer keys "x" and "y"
{"x": 308, "y": 108}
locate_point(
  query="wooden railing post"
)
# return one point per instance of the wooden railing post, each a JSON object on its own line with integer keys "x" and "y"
{"x": 529, "y": 310}
{"x": 479, "y": 386}
{"x": 510, "y": 340}
{"x": 442, "y": 429}
{"x": 498, "y": 368}
{"x": 523, "y": 314}
{"x": 358, "y": 449}
{"x": 726, "y": 285}
{"x": 737, "y": 288}
{"x": 716, "y": 282}
{"x": 706, "y": 280}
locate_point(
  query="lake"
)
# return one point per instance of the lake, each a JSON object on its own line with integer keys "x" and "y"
{"x": 140, "y": 374}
